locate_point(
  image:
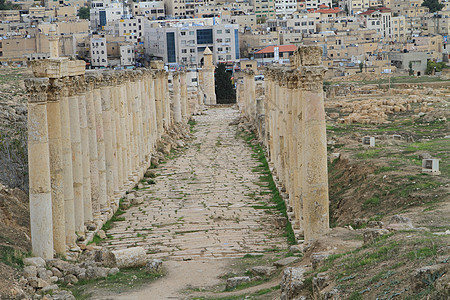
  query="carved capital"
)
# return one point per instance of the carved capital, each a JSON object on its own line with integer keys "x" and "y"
{"x": 37, "y": 89}
{"x": 292, "y": 80}
{"x": 55, "y": 89}
{"x": 307, "y": 56}
{"x": 311, "y": 77}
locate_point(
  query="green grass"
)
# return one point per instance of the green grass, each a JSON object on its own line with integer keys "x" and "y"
{"x": 267, "y": 180}
{"x": 371, "y": 202}
{"x": 12, "y": 257}
{"x": 367, "y": 154}
{"x": 126, "y": 279}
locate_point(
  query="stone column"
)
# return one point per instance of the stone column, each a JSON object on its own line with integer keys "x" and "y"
{"x": 93, "y": 151}
{"x": 77, "y": 157}
{"x": 291, "y": 152}
{"x": 166, "y": 102}
{"x": 176, "y": 97}
{"x": 39, "y": 169}
{"x": 118, "y": 120}
{"x": 208, "y": 77}
{"x": 184, "y": 98}
{"x": 152, "y": 86}
{"x": 84, "y": 131}
{"x": 298, "y": 156}
{"x": 315, "y": 180}
{"x": 69, "y": 208}
{"x": 97, "y": 99}
{"x": 123, "y": 129}
{"x": 56, "y": 164}
{"x": 107, "y": 95}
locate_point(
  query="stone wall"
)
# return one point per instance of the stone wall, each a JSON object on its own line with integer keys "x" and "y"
{"x": 91, "y": 135}
{"x": 290, "y": 120}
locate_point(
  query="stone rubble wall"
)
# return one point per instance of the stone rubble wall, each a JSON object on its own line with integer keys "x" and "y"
{"x": 91, "y": 137}
{"x": 290, "y": 121}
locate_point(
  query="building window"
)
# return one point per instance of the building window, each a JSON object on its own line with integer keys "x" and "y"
{"x": 204, "y": 36}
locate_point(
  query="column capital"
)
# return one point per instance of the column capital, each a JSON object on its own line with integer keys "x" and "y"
{"x": 311, "y": 77}
{"x": 292, "y": 80}
{"x": 79, "y": 84}
{"x": 37, "y": 89}
{"x": 55, "y": 89}
{"x": 307, "y": 56}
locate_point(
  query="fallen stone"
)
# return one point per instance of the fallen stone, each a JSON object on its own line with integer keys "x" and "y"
{"x": 137, "y": 200}
{"x": 37, "y": 283}
{"x": 317, "y": 259}
{"x": 150, "y": 174}
{"x": 130, "y": 258}
{"x": 398, "y": 222}
{"x": 371, "y": 234}
{"x": 296, "y": 249}
{"x": 34, "y": 261}
{"x": 113, "y": 271}
{"x": 263, "y": 270}
{"x": 320, "y": 281}
{"x": 375, "y": 224}
{"x": 101, "y": 234}
{"x": 235, "y": 281}
{"x": 70, "y": 278}
{"x": 30, "y": 271}
{"x": 63, "y": 295}
{"x": 49, "y": 288}
{"x": 291, "y": 283}
{"x": 45, "y": 274}
{"x": 286, "y": 261}
{"x": 425, "y": 276}
{"x": 59, "y": 264}
{"x": 153, "y": 265}
{"x": 96, "y": 272}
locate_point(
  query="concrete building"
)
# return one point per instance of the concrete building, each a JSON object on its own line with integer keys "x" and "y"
{"x": 132, "y": 29}
{"x": 175, "y": 8}
{"x": 315, "y": 4}
{"x": 99, "y": 53}
{"x": 105, "y": 12}
{"x": 184, "y": 42}
{"x": 418, "y": 61}
{"x": 285, "y": 8}
{"x": 153, "y": 10}
{"x": 378, "y": 19}
{"x": 127, "y": 57}
{"x": 264, "y": 9}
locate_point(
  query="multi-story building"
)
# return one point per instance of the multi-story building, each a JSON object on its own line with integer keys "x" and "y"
{"x": 105, "y": 12}
{"x": 153, "y": 10}
{"x": 264, "y": 9}
{"x": 175, "y": 8}
{"x": 132, "y": 29}
{"x": 183, "y": 43}
{"x": 127, "y": 57}
{"x": 378, "y": 19}
{"x": 99, "y": 53}
{"x": 284, "y": 8}
{"x": 315, "y": 4}
{"x": 356, "y": 6}
{"x": 399, "y": 33}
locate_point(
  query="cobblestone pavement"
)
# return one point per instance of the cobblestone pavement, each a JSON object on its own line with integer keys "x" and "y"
{"x": 202, "y": 203}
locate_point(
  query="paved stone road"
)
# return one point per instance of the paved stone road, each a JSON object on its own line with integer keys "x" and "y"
{"x": 201, "y": 204}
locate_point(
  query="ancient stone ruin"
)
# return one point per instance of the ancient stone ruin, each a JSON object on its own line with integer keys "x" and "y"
{"x": 91, "y": 138}
{"x": 290, "y": 119}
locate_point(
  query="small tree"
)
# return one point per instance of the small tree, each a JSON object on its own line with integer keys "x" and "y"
{"x": 225, "y": 92}
{"x": 410, "y": 71}
{"x": 433, "y": 5}
{"x": 84, "y": 13}
{"x": 361, "y": 65}
{"x": 434, "y": 66}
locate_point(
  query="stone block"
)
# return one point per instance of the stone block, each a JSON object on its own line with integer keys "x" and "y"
{"x": 38, "y": 262}
{"x": 263, "y": 270}
{"x": 286, "y": 261}
{"x": 235, "y": 281}
{"x": 292, "y": 283}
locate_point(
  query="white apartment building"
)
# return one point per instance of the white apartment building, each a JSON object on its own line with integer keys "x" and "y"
{"x": 99, "y": 55}
{"x": 379, "y": 19}
{"x": 183, "y": 43}
{"x": 356, "y": 6}
{"x": 151, "y": 9}
{"x": 314, "y": 4}
{"x": 285, "y": 8}
{"x": 127, "y": 57}
{"x": 132, "y": 29}
{"x": 105, "y": 12}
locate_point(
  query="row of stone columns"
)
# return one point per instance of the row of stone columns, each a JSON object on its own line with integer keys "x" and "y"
{"x": 91, "y": 136}
{"x": 295, "y": 136}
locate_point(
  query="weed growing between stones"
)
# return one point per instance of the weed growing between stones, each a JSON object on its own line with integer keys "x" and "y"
{"x": 267, "y": 179}
{"x": 126, "y": 279}
{"x": 12, "y": 257}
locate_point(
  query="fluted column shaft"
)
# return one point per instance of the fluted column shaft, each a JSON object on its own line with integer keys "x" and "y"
{"x": 39, "y": 169}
